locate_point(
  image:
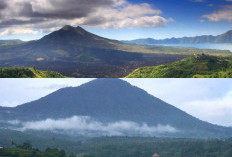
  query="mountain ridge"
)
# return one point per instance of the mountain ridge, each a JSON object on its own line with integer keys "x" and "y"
{"x": 222, "y": 38}
{"x": 10, "y": 41}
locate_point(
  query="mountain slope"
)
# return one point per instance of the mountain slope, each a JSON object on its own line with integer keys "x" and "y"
{"x": 60, "y": 45}
{"x": 69, "y": 42}
{"x": 197, "y": 66}
{"x": 113, "y": 100}
{"x": 223, "y": 38}
{"x": 77, "y": 36}
{"x": 27, "y": 73}
{"x": 40, "y": 142}
{"x": 9, "y": 41}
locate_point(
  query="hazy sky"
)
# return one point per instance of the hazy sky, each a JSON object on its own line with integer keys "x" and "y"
{"x": 207, "y": 99}
{"x": 116, "y": 19}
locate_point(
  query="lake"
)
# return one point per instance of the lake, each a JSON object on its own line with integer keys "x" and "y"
{"x": 202, "y": 46}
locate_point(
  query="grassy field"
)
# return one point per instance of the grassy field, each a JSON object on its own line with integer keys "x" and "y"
{"x": 195, "y": 66}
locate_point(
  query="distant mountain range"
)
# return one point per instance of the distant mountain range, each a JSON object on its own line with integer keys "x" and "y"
{"x": 223, "y": 38}
{"x": 108, "y": 107}
{"x": 9, "y": 41}
{"x": 74, "y": 52}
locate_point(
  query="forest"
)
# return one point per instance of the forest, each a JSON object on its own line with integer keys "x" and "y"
{"x": 129, "y": 147}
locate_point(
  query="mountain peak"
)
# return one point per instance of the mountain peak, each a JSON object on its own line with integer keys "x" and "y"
{"x": 74, "y": 30}
{"x": 69, "y": 37}
{"x": 68, "y": 27}
{"x": 111, "y": 83}
{"x": 80, "y": 28}
{"x": 110, "y": 80}
{"x": 71, "y": 28}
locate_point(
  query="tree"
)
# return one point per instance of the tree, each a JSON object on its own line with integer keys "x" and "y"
{"x": 62, "y": 154}
{"x": 26, "y": 146}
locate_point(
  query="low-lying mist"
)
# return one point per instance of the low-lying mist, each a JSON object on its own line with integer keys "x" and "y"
{"x": 84, "y": 125}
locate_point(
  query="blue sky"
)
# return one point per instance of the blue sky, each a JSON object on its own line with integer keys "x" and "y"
{"x": 187, "y": 15}
{"x": 116, "y": 19}
{"x": 207, "y": 99}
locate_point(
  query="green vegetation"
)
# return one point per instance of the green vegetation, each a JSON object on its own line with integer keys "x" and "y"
{"x": 170, "y": 50}
{"x": 146, "y": 147}
{"x": 62, "y": 53}
{"x": 23, "y": 72}
{"x": 39, "y": 59}
{"x": 195, "y": 66}
{"x": 86, "y": 58}
{"x": 26, "y": 150}
{"x": 132, "y": 147}
{"x": 11, "y": 44}
{"x": 41, "y": 140}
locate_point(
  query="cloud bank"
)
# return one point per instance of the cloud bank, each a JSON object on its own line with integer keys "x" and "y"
{"x": 223, "y": 14}
{"x": 9, "y": 31}
{"x": 214, "y": 110}
{"x": 49, "y": 15}
{"x": 84, "y": 125}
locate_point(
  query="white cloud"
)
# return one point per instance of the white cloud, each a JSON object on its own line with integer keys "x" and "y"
{"x": 86, "y": 125}
{"x": 126, "y": 16}
{"x": 220, "y": 15}
{"x": 214, "y": 110}
{"x": 49, "y": 15}
{"x": 9, "y": 103}
{"x": 15, "y": 31}
{"x": 202, "y": 21}
{"x": 14, "y": 122}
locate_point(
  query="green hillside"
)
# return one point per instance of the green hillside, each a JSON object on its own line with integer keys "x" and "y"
{"x": 25, "y": 145}
{"x": 23, "y": 72}
{"x": 26, "y": 150}
{"x": 195, "y": 66}
{"x": 132, "y": 147}
{"x": 16, "y": 152}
